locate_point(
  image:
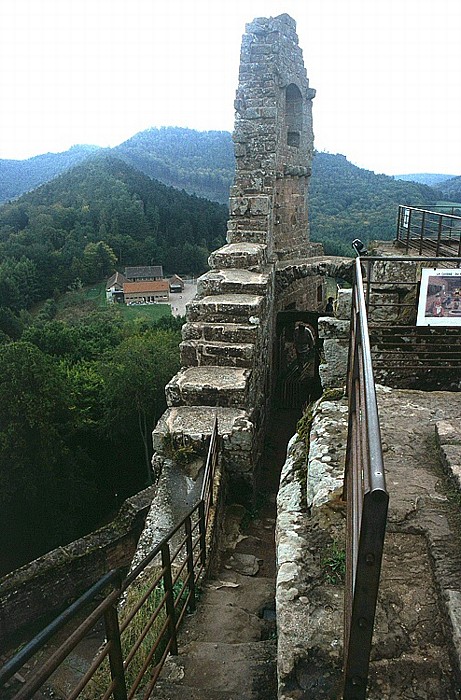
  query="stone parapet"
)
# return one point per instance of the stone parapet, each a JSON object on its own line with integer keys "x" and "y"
{"x": 191, "y": 427}
{"x": 231, "y": 308}
{"x": 251, "y": 256}
{"x": 247, "y": 236}
{"x": 199, "y": 353}
{"x": 330, "y": 327}
{"x": 310, "y": 516}
{"x": 229, "y": 281}
{"x": 221, "y": 332}
{"x": 209, "y": 386}
{"x": 333, "y": 367}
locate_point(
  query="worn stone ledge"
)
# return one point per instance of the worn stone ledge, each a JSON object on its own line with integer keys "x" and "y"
{"x": 221, "y": 332}
{"x": 222, "y": 308}
{"x": 448, "y": 440}
{"x": 330, "y": 327}
{"x": 209, "y": 386}
{"x": 247, "y": 236}
{"x": 328, "y": 438}
{"x": 231, "y": 281}
{"x": 239, "y": 255}
{"x": 333, "y": 369}
{"x": 200, "y": 353}
{"x": 309, "y": 621}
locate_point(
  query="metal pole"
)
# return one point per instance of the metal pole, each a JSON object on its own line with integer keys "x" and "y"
{"x": 115, "y": 653}
{"x": 169, "y": 598}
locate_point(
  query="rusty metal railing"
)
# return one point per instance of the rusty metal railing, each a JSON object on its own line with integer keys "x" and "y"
{"x": 367, "y": 501}
{"x": 139, "y": 635}
{"x": 425, "y": 230}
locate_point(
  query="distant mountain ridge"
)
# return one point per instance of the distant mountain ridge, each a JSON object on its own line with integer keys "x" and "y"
{"x": 200, "y": 162}
{"x": 345, "y": 201}
{"x": 431, "y": 179}
{"x": 20, "y": 176}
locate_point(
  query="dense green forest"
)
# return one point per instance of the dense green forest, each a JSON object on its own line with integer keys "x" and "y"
{"x": 347, "y": 202}
{"x": 451, "y": 189}
{"x": 79, "y": 397}
{"x": 200, "y": 162}
{"x": 78, "y": 401}
{"x": 103, "y": 213}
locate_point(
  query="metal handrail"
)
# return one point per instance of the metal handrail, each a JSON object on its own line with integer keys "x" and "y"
{"x": 427, "y": 229}
{"x": 175, "y": 581}
{"x": 367, "y": 502}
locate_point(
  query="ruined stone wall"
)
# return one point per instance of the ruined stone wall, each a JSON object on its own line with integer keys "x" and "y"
{"x": 45, "y": 586}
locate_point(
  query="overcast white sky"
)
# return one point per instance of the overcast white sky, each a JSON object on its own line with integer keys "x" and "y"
{"x": 387, "y": 73}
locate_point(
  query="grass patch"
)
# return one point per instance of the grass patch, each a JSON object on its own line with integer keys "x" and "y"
{"x": 134, "y": 631}
{"x": 333, "y": 564}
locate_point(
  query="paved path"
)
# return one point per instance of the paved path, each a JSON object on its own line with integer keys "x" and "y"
{"x": 417, "y": 643}
{"x": 178, "y": 301}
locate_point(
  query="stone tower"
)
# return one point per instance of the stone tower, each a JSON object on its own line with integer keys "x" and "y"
{"x": 273, "y": 141}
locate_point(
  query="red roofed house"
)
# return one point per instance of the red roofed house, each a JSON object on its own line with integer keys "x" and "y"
{"x": 145, "y": 292}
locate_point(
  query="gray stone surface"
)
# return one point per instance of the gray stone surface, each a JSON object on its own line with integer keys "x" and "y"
{"x": 228, "y": 308}
{"x": 415, "y": 654}
{"x": 209, "y": 386}
{"x": 333, "y": 366}
{"x": 232, "y": 282}
{"x": 251, "y": 256}
{"x": 330, "y": 327}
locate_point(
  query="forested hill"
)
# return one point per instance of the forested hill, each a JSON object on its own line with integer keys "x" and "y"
{"x": 348, "y": 202}
{"x": 99, "y": 214}
{"x": 19, "y": 176}
{"x": 201, "y": 162}
{"x": 451, "y": 189}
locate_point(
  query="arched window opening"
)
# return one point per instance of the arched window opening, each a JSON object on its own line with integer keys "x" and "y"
{"x": 293, "y": 114}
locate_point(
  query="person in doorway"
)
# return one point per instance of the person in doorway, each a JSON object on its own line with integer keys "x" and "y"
{"x": 304, "y": 343}
{"x": 329, "y": 308}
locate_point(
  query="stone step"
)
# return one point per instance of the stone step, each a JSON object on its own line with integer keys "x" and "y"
{"x": 193, "y": 425}
{"x": 221, "y": 332}
{"x": 245, "y": 671}
{"x": 227, "y": 308}
{"x": 247, "y": 236}
{"x": 209, "y": 386}
{"x": 232, "y": 282}
{"x": 199, "y": 353}
{"x": 250, "y": 256}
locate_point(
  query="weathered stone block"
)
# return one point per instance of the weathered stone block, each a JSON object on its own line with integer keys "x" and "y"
{"x": 202, "y": 353}
{"x": 391, "y": 271}
{"x": 221, "y": 332}
{"x": 250, "y": 205}
{"x": 330, "y": 327}
{"x": 209, "y": 386}
{"x": 334, "y": 370}
{"x": 231, "y": 308}
{"x": 239, "y": 255}
{"x": 232, "y": 282}
{"x": 344, "y": 304}
{"x": 383, "y": 306}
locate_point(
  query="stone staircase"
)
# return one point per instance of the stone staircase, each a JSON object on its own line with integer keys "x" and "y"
{"x": 227, "y": 332}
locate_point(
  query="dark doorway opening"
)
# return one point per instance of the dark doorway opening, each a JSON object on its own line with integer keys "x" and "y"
{"x": 297, "y": 359}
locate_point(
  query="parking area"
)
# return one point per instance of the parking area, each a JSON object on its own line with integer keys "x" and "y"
{"x": 178, "y": 301}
